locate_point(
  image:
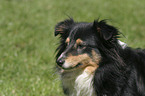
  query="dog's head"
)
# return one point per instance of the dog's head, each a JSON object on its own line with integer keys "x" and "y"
{"x": 81, "y": 43}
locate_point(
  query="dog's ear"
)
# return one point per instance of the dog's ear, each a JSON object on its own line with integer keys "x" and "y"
{"x": 62, "y": 27}
{"x": 105, "y": 31}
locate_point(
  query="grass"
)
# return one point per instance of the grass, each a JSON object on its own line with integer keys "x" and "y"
{"x": 27, "y": 42}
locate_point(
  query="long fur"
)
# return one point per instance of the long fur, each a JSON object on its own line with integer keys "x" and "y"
{"x": 80, "y": 83}
{"x": 120, "y": 71}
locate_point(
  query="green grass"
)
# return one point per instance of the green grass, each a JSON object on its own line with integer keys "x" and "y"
{"x": 27, "y": 42}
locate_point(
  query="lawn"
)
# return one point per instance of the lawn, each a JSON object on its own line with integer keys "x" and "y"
{"x": 27, "y": 42}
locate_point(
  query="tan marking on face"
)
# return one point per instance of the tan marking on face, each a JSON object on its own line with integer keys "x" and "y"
{"x": 67, "y": 40}
{"x": 89, "y": 64}
{"x": 91, "y": 69}
{"x": 96, "y": 58}
{"x": 79, "y": 41}
{"x": 74, "y": 60}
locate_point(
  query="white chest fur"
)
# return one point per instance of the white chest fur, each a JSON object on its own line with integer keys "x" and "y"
{"x": 78, "y": 83}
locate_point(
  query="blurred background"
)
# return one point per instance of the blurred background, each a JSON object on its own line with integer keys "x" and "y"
{"x": 27, "y": 42}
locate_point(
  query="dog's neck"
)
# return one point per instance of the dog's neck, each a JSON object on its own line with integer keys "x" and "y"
{"x": 78, "y": 83}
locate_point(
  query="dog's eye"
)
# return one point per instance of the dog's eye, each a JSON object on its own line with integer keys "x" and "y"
{"x": 80, "y": 46}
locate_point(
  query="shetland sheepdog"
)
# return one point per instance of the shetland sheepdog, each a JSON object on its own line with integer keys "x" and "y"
{"x": 92, "y": 61}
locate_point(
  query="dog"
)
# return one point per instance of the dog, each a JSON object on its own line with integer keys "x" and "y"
{"x": 92, "y": 61}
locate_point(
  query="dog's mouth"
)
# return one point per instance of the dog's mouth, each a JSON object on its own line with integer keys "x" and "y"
{"x": 78, "y": 65}
{"x": 71, "y": 68}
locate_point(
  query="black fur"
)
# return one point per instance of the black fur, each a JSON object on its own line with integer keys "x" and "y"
{"x": 121, "y": 71}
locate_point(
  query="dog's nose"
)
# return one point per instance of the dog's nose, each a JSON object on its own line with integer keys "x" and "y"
{"x": 60, "y": 61}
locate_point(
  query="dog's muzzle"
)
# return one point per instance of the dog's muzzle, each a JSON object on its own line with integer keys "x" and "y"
{"x": 60, "y": 61}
